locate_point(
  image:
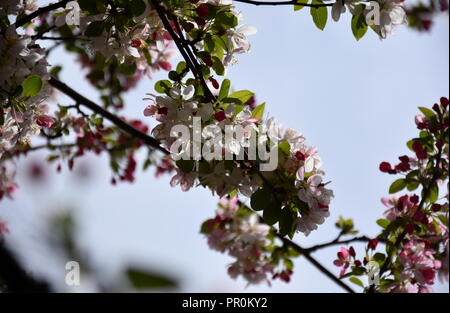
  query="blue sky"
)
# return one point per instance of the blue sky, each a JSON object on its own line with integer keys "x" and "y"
{"x": 355, "y": 101}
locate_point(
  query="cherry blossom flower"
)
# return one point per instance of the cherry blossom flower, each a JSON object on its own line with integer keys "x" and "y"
{"x": 3, "y": 227}
{"x": 243, "y": 237}
{"x": 343, "y": 260}
{"x": 392, "y": 14}
{"x": 419, "y": 262}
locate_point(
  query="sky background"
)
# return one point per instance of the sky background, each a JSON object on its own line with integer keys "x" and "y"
{"x": 355, "y": 101}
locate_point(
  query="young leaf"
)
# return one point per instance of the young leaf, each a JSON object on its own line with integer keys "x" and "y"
{"x": 397, "y": 185}
{"x": 95, "y": 29}
{"x": 242, "y": 95}
{"x": 224, "y": 89}
{"x": 319, "y": 14}
{"x": 299, "y": 7}
{"x": 287, "y": 219}
{"x": 359, "y": 26}
{"x": 356, "y": 281}
{"x": 272, "y": 213}
{"x": 218, "y": 66}
{"x": 258, "y": 112}
{"x": 260, "y": 199}
{"x": 31, "y": 86}
{"x": 144, "y": 280}
{"x": 163, "y": 86}
{"x": 427, "y": 112}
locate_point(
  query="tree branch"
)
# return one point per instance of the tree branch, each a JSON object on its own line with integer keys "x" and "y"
{"x": 150, "y": 141}
{"x": 293, "y": 2}
{"x": 186, "y": 53}
{"x": 26, "y": 19}
{"x": 307, "y": 254}
{"x": 338, "y": 242}
{"x": 14, "y": 277}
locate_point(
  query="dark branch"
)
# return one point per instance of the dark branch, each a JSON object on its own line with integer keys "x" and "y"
{"x": 13, "y": 278}
{"x": 26, "y": 19}
{"x": 338, "y": 242}
{"x": 307, "y": 254}
{"x": 186, "y": 53}
{"x": 150, "y": 141}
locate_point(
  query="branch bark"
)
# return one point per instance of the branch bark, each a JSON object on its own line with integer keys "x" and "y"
{"x": 26, "y": 19}
{"x": 307, "y": 254}
{"x": 148, "y": 140}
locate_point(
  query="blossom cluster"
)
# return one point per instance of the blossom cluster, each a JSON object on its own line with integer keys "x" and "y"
{"x": 16, "y": 7}
{"x": 421, "y": 15}
{"x": 297, "y": 177}
{"x": 243, "y": 237}
{"x": 23, "y": 90}
{"x": 419, "y": 267}
{"x": 346, "y": 258}
{"x": 388, "y": 15}
{"x": 419, "y": 222}
{"x": 144, "y": 42}
{"x": 240, "y": 233}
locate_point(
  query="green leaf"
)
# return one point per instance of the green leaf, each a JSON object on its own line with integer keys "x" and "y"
{"x": 163, "y": 86}
{"x": 218, "y": 66}
{"x": 397, "y": 185}
{"x": 359, "y": 26}
{"x": 433, "y": 194}
{"x": 181, "y": 68}
{"x": 95, "y": 29}
{"x": 379, "y": 257}
{"x": 383, "y": 222}
{"x": 89, "y": 6}
{"x": 128, "y": 69}
{"x": 272, "y": 213}
{"x": 137, "y": 7}
{"x": 260, "y": 199}
{"x": 55, "y": 70}
{"x": 427, "y": 112}
{"x": 144, "y": 280}
{"x": 299, "y": 7}
{"x": 356, "y": 281}
{"x": 286, "y": 222}
{"x": 319, "y": 14}
{"x": 242, "y": 95}
{"x": 226, "y": 19}
{"x": 285, "y": 147}
{"x": 31, "y": 86}
{"x": 413, "y": 185}
{"x": 258, "y": 112}
{"x": 173, "y": 75}
{"x": 224, "y": 89}
{"x": 186, "y": 166}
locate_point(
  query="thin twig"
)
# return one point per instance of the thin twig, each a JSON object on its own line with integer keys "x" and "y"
{"x": 26, "y": 19}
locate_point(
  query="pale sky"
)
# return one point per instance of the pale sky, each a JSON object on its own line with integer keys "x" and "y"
{"x": 355, "y": 101}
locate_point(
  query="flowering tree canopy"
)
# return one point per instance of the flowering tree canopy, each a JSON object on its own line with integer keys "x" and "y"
{"x": 270, "y": 180}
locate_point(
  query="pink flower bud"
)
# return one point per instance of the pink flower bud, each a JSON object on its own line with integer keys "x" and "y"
{"x": 45, "y": 121}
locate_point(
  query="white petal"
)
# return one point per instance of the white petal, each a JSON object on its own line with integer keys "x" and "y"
{"x": 247, "y": 30}
{"x": 188, "y": 92}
